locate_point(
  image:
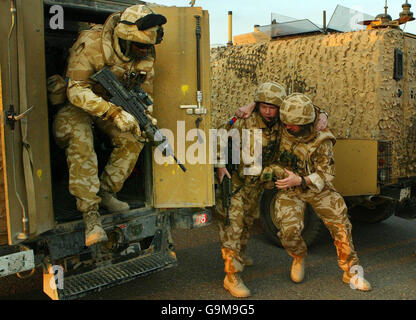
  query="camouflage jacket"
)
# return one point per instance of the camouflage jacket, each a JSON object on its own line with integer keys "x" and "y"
{"x": 267, "y": 140}
{"x": 311, "y": 157}
{"x": 94, "y": 49}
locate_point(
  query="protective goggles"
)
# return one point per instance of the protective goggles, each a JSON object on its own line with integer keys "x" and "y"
{"x": 147, "y": 22}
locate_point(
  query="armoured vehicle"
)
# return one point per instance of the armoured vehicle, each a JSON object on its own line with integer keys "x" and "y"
{"x": 364, "y": 79}
{"x": 39, "y": 223}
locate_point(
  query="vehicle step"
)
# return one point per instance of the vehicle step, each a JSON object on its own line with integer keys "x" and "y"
{"x": 79, "y": 285}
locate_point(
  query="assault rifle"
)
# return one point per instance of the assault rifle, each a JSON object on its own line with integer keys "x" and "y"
{"x": 135, "y": 103}
{"x": 227, "y": 185}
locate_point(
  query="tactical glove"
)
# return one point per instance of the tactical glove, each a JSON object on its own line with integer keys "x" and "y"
{"x": 123, "y": 120}
{"x": 148, "y": 112}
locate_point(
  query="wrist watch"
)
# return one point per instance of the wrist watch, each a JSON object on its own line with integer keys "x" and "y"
{"x": 325, "y": 113}
{"x": 303, "y": 184}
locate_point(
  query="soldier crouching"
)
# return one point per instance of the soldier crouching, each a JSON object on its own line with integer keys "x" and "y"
{"x": 309, "y": 156}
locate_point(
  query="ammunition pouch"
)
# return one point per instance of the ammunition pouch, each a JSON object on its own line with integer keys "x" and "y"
{"x": 271, "y": 174}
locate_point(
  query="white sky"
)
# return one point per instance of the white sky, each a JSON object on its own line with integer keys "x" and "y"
{"x": 247, "y": 13}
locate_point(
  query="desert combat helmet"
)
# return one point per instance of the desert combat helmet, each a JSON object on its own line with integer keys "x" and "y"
{"x": 271, "y": 93}
{"x": 140, "y": 24}
{"x": 297, "y": 109}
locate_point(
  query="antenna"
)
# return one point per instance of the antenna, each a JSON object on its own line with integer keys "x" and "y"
{"x": 406, "y": 15}
{"x": 384, "y": 20}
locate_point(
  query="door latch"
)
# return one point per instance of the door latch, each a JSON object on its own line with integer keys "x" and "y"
{"x": 11, "y": 116}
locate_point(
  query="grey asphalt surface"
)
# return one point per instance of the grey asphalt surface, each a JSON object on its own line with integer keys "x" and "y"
{"x": 386, "y": 251}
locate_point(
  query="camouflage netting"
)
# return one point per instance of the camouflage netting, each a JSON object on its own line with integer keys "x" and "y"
{"x": 349, "y": 75}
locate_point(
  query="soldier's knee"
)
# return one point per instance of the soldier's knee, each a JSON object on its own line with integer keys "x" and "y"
{"x": 290, "y": 233}
{"x": 127, "y": 141}
{"x": 134, "y": 148}
{"x": 72, "y": 125}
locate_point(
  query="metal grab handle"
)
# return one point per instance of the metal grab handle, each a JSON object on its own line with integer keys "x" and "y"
{"x": 13, "y": 117}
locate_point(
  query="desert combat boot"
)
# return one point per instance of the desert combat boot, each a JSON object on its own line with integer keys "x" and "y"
{"x": 94, "y": 232}
{"x": 297, "y": 273}
{"x": 235, "y": 285}
{"x": 111, "y": 203}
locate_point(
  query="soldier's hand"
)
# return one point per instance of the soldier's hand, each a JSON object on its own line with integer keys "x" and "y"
{"x": 149, "y": 109}
{"x": 246, "y": 111}
{"x": 137, "y": 132}
{"x": 292, "y": 180}
{"x": 153, "y": 120}
{"x": 322, "y": 122}
{"x": 221, "y": 172}
{"x": 126, "y": 122}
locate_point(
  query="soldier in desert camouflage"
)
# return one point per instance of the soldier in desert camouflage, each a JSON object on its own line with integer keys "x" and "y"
{"x": 247, "y": 188}
{"x": 125, "y": 43}
{"x": 305, "y": 170}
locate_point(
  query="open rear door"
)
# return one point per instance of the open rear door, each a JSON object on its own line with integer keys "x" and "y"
{"x": 175, "y": 96}
{"x": 27, "y": 195}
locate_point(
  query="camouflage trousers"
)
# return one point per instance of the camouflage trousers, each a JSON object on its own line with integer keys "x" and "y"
{"x": 72, "y": 129}
{"x": 330, "y": 207}
{"x": 244, "y": 209}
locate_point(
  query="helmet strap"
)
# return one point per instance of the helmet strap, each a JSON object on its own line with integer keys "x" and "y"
{"x": 125, "y": 46}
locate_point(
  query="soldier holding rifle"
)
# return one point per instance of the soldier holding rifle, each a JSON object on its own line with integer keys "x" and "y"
{"x": 124, "y": 43}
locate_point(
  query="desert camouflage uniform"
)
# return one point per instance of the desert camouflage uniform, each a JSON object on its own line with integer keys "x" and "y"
{"x": 312, "y": 157}
{"x": 244, "y": 207}
{"x": 256, "y": 143}
{"x": 244, "y": 204}
{"x": 87, "y": 106}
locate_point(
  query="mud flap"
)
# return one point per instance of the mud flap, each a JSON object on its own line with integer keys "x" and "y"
{"x": 406, "y": 209}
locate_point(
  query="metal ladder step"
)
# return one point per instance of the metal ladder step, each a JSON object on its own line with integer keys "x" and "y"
{"x": 80, "y": 285}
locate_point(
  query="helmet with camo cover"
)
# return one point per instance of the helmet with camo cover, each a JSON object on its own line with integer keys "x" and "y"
{"x": 297, "y": 109}
{"x": 140, "y": 24}
{"x": 271, "y": 93}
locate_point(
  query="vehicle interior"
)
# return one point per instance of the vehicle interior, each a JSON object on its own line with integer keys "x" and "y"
{"x": 57, "y": 45}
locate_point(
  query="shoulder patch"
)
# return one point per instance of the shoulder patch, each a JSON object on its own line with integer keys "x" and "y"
{"x": 233, "y": 120}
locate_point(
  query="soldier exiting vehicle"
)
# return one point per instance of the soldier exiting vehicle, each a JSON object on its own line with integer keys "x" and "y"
{"x": 125, "y": 43}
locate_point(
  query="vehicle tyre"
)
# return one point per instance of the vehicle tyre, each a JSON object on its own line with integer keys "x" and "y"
{"x": 313, "y": 225}
{"x": 379, "y": 213}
